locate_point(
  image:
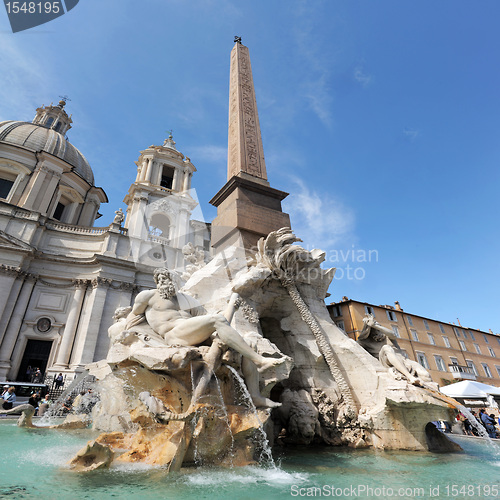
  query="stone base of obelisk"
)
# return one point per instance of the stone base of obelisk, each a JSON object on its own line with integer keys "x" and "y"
{"x": 246, "y": 211}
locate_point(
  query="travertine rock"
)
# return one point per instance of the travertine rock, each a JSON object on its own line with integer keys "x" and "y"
{"x": 93, "y": 456}
{"x": 331, "y": 389}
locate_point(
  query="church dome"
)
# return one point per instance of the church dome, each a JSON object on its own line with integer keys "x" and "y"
{"x": 40, "y": 138}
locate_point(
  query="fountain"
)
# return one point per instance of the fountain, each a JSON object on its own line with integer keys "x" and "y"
{"x": 171, "y": 386}
{"x": 267, "y": 366}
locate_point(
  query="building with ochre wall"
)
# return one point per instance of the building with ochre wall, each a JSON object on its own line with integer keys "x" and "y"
{"x": 449, "y": 352}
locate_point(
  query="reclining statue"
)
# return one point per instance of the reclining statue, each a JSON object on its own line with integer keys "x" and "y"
{"x": 164, "y": 316}
{"x": 381, "y": 343}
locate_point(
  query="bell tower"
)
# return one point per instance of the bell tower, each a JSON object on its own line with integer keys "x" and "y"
{"x": 247, "y": 206}
{"x": 159, "y": 206}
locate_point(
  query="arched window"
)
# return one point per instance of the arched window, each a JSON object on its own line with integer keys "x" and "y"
{"x": 49, "y": 121}
{"x": 11, "y": 174}
{"x": 58, "y": 212}
{"x": 159, "y": 225}
{"x": 5, "y": 186}
{"x": 66, "y": 204}
{"x": 167, "y": 177}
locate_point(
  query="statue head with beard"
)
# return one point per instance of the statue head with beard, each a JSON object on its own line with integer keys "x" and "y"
{"x": 164, "y": 283}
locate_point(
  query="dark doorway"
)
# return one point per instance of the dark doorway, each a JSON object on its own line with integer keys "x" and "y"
{"x": 36, "y": 355}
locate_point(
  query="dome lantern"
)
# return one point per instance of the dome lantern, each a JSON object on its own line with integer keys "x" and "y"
{"x": 54, "y": 117}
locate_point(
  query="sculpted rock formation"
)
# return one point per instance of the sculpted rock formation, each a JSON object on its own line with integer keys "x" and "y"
{"x": 186, "y": 369}
{"x": 359, "y": 402}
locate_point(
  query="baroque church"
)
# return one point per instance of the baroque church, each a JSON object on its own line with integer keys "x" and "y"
{"x": 62, "y": 278}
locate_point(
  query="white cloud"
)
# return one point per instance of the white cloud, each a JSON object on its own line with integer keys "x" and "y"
{"x": 311, "y": 49}
{"x": 320, "y": 100}
{"x": 361, "y": 77}
{"x": 321, "y": 221}
{"x": 412, "y": 134}
{"x": 24, "y": 79}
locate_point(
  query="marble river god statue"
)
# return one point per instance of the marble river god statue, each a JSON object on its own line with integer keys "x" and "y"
{"x": 200, "y": 374}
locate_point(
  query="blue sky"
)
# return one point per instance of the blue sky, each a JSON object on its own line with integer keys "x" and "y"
{"x": 381, "y": 119}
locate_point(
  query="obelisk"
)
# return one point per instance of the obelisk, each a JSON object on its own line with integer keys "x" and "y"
{"x": 247, "y": 207}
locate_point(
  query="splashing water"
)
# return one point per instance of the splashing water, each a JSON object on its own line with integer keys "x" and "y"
{"x": 225, "y": 417}
{"x": 266, "y": 455}
{"x": 495, "y": 450}
{"x": 82, "y": 382}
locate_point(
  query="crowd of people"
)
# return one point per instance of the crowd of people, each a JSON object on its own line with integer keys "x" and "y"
{"x": 83, "y": 402}
{"x": 33, "y": 375}
{"x": 489, "y": 422}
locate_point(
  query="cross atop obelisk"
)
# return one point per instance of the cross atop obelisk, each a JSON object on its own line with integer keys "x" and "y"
{"x": 245, "y": 151}
{"x": 247, "y": 206}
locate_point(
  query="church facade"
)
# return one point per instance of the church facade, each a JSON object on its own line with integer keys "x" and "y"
{"x": 61, "y": 278}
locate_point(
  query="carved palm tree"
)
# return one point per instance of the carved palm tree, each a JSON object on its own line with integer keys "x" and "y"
{"x": 287, "y": 262}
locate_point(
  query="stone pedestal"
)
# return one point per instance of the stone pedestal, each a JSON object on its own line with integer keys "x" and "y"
{"x": 248, "y": 210}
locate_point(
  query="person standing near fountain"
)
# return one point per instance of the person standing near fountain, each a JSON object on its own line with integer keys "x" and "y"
{"x": 181, "y": 320}
{"x": 9, "y": 398}
{"x": 488, "y": 422}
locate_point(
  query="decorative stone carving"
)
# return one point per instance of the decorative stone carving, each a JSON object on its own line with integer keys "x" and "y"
{"x": 78, "y": 283}
{"x": 174, "y": 362}
{"x": 10, "y": 270}
{"x": 381, "y": 343}
{"x": 55, "y": 285}
{"x": 100, "y": 281}
{"x": 299, "y": 416}
{"x": 164, "y": 205}
{"x": 245, "y": 152}
{"x": 119, "y": 217}
{"x": 195, "y": 260}
{"x": 288, "y": 263}
{"x": 127, "y": 287}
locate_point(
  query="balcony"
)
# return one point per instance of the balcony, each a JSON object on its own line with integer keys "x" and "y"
{"x": 462, "y": 372}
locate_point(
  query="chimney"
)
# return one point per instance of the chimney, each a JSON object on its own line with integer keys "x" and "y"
{"x": 398, "y": 306}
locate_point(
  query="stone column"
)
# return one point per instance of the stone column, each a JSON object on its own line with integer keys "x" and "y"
{"x": 8, "y": 275}
{"x": 54, "y": 179}
{"x": 69, "y": 333}
{"x": 88, "y": 212}
{"x": 182, "y": 229}
{"x": 142, "y": 175}
{"x": 16, "y": 320}
{"x": 69, "y": 216}
{"x": 35, "y": 187}
{"x": 147, "y": 177}
{"x": 176, "y": 181}
{"x": 90, "y": 325}
{"x": 121, "y": 297}
{"x": 53, "y": 205}
{"x": 187, "y": 180}
{"x": 137, "y": 221}
{"x": 13, "y": 190}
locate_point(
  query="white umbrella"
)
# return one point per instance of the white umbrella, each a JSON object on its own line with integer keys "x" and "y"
{"x": 469, "y": 389}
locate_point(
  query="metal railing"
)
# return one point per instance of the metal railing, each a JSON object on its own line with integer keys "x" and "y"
{"x": 460, "y": 371}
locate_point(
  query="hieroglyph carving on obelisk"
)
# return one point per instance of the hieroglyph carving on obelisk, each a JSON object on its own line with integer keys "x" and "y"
{"x": 245, "y": 151}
